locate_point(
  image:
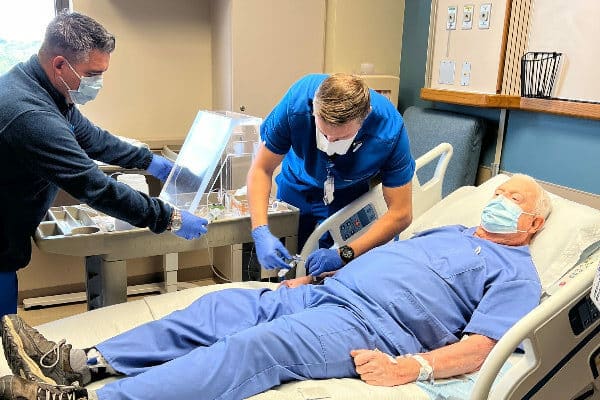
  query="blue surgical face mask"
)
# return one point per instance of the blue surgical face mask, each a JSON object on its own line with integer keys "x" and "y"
{"x": 89, "y": 86}
{"x": 501, "y": 215}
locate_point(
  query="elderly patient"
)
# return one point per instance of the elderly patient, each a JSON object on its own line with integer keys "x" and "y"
{"x": 392, "y": 316}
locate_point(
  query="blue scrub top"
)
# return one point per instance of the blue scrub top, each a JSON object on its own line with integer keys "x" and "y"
{"x": 440, "y": 284}
{"x": 381, "y": 145}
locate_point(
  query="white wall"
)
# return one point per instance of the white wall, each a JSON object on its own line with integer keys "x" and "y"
{"x": 160, "y": 71}
{"x": 364, "y": 31}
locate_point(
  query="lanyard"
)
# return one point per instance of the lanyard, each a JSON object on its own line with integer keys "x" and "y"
{"x": 328, "y": 185}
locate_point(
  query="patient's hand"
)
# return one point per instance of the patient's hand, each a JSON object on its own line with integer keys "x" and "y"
{"x": 381, "y": 369}
{"x": 295, "y": 282}
{"x": 306, "y": 280}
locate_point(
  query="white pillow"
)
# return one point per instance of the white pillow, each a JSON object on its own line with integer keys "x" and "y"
{"x": 570, "y": 229}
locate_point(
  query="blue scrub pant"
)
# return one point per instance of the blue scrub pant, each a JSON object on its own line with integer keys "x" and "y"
{"x": 235, "y": 343}
{"x": 8, "y": 293}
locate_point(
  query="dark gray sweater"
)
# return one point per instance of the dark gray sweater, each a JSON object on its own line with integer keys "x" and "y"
{"x": 47, "y": 144}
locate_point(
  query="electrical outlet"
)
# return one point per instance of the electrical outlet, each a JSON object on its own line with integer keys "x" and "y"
{"x": 485, "y": 14}
{"x": 451, "y": 21}
{"x": 467, "y": 22}
{"x": 465, "y": 76}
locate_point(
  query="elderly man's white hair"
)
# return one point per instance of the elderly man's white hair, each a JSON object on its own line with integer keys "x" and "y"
{"x": 543, "y": 204}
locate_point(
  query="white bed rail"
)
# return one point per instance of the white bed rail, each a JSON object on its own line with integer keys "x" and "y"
{"x": 424, "y": 196}
{"x": 550, "y": 344}
{"x": 429, "y": 193}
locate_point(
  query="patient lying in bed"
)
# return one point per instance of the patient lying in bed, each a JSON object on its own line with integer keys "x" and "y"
{"x": 392, "y": 316}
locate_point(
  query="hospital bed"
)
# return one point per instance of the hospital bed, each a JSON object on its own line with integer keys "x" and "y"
{"x": 559, "y": 336}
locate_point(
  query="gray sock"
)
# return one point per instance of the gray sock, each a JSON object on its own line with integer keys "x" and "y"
{"x": 92, "y": 395}
{"x": 91, "y": 365}
{"x": 97, "y": 363}
{"x": 78, "y": 361}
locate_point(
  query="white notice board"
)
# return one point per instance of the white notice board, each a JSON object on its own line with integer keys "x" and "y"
{"x": 572, "y": 28}
{"x": 466, "y": 48}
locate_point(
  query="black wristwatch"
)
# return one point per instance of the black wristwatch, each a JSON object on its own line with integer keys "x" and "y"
{"x": 346, "y": 253}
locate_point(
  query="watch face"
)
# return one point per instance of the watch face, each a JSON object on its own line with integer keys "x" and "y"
{"x": 176, "y": 225}
{"x": 346, "y": 253}
{"x": 176, "y": 221}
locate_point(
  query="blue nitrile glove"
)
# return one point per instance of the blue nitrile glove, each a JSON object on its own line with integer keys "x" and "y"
{"x": 192, "y": 226}
{"x": 160, "y": 167}
{"x": 269, "y": 250}
{"x": 323, "y": 260}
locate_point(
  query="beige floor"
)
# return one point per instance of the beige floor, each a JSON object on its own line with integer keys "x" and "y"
{"x": 39, "y": 316}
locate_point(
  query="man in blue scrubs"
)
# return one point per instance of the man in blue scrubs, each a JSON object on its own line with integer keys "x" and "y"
{"x": 392, "y": 316}
{"x": 331, "y": 135}
{"x": 47, "y": 144}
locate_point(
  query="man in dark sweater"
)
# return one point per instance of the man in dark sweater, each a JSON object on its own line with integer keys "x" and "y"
{"x": 47, "y": 144}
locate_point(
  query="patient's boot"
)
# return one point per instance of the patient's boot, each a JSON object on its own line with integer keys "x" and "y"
{"x": 32, "y": 356}
{"x": 16, "y": 388}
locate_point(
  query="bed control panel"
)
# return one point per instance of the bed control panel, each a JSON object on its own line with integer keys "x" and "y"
{"x": 358, "y": 221}
{"x": 592, "y": 261}
{"x": 583, "y": 315}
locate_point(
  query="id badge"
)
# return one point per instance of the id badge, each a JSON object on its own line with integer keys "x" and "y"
{"x": 328, "y": 188}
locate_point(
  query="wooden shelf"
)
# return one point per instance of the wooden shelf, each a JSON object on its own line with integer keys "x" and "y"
{"x": 568, "y": 108}
{"x": 471, "y": 99}
{"x": 561, "y": 107}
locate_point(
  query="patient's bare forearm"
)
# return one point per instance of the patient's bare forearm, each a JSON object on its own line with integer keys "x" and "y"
{"x": 380, "y": 369}
{"x": 460, "y": 358}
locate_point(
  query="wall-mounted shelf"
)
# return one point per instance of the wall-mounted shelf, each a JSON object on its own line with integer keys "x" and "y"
{"x": 577, "y": 109}
{"x": 471, "y": 99}
{"x": 561, "y": 107}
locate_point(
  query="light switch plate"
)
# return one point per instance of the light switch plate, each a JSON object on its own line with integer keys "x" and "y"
{"x": 485, "y": 15}
{"x": 451, "y": 21}
{"x": 446, "y": 72}
{"x": 467, "y": 15}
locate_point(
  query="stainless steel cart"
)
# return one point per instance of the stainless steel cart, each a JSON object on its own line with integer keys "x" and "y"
{"x": 71, "y": 230}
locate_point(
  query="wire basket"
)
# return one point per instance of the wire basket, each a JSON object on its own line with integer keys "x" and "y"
{"x": 538, "y": 73}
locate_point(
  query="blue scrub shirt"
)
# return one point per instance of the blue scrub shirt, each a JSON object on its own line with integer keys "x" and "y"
{"x": 381, "y": 147}
{"x": 439, "y": 285}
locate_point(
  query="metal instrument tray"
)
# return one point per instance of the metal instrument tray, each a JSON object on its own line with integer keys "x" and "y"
{"x": 74, "y": 230}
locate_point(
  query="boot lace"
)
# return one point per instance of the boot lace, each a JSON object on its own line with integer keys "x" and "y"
{"x": 55, "y": 350}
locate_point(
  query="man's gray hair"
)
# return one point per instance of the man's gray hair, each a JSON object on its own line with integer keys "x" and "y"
{"x": 543, "y": 204}
{"x": 73, "y": 35}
